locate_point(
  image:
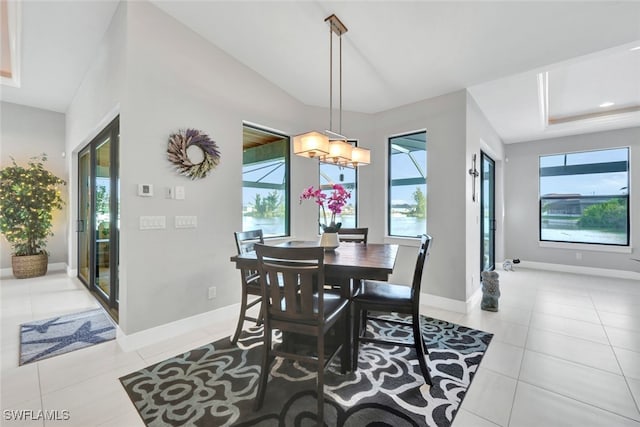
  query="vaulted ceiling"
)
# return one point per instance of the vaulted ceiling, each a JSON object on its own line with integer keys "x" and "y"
{"x": 395, "y": 53}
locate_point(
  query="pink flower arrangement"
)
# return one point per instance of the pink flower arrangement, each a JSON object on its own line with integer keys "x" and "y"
{"x": 335, "y": 202}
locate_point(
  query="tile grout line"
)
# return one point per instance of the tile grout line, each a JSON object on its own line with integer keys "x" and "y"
{"x": 615, "y": 355}
{"x": 40, "y": 390}
{"x": 524, "y": 350}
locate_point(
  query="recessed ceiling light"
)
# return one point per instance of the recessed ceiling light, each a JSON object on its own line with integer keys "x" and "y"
{"x": 635, "y": 48}
{"x": 606, "y": 104}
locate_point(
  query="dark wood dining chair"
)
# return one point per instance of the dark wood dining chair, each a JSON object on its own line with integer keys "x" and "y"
{"x": 384, "y": 297}
{"x": 357, "y": 235}
{"x": 250, "y": 279}
{"x": 295, "y": 303}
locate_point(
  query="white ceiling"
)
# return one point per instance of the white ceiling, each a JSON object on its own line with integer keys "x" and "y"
{"x": 395, "y": 53}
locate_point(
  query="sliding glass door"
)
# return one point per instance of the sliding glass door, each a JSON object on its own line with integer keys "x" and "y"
{"x": 98, "y": 216}
{"x": 488, "y": 213}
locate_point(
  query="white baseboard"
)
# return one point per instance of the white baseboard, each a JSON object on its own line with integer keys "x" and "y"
{"x": 474, "y": 300}
{"x": 150, "y": 336}
{"x": 54, "y": 266}
{"x": 604, "y": 272}
{"x": 450, "y": 304}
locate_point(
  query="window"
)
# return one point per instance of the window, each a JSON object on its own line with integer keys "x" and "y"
{"x": 348, "y": 178}
{"x": 407, "y": 209}
{"x": 584, "y": 197}
{"x": 265, "y": 181}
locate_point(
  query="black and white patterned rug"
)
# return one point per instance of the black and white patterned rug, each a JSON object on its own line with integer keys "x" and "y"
{"x": 46, "y": 338}
{"x": 215, "y": 385}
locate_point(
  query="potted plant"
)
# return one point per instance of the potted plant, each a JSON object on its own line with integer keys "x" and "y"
{"x": 335, "y": 202}
{"x": 28, "y": 196}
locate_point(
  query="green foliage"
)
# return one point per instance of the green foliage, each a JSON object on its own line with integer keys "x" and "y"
{"x": 420, "y": 211}
{"x": 102, "y": 200}
{"x": 610, "y": 215}
{"x": 28, "y": 197}
{"x": 268, "y": 207}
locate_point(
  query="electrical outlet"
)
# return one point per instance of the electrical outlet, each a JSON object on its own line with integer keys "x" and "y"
{"x": 212, "y": 292}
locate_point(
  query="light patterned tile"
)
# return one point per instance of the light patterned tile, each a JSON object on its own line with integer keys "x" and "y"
{"x": 576, "y": 350}
{"x": 536, "y": 407}
{"x": 490, "y": 396}
{"x": 591, "y": 386}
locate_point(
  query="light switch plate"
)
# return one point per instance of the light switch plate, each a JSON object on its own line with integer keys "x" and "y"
{"x": 145, "y": 190}
{"x": 186, "y": 221}
{"x": 179, "y": 192}
{"x": 153, "y": 222}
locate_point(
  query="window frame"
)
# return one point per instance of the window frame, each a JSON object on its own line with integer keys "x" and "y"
{"x": 390, "y": 181}
{"x": 627, "y": 196}
{"x": 354, "y": 192}
{"x": 287, "y": 171}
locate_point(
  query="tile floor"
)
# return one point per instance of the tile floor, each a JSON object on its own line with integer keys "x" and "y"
{"x": 566, "y": 352}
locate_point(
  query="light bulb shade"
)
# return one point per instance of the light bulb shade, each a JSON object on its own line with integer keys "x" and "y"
{"x": 339, "y": 151}
{"x": 360, "y": 156}
{"x": 311, "y": 144}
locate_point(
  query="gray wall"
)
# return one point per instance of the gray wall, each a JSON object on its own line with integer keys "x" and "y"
{"x": 481, "y": 137}
{"x": 26, "y": 132}
{"x": 160, "y": 77}
{"x": 521, "y": 195}
{"x": 443, "y": 118}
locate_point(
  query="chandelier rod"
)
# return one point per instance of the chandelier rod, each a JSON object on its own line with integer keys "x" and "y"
{"x": 330, "y": 78}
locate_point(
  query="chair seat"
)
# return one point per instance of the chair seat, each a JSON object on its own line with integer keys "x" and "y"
{"x": 334, "y": 305}
{"x": 375, "y": 292}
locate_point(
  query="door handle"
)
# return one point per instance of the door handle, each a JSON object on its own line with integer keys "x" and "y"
{"x": 80, "y": 226}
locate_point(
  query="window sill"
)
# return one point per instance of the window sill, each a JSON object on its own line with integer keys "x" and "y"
{"x": 403, "y": 241}
{"x": 586, "y": 247}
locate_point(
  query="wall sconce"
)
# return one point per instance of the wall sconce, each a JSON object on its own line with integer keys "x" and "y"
{"x": 474, "y": 173}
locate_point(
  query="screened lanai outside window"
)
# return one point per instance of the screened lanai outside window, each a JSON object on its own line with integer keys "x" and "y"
{"x": 584, "y": 197}
{"x": 265, "y": 182}
{"x": 407, "y": 209}
{"x": 347, "y": 177}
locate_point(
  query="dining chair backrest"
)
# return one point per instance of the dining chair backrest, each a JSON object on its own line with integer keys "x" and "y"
{"x": 245, "y": 240}
{"x": 357, "y": 235}
{"x": 290, "y": 278}
{"x": 423, "y": 255}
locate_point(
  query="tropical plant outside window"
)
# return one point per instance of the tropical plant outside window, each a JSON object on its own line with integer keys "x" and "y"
{"x": 407, "y": 208}
{"x": 584, "y": 197}
{"x": 348, "y": 178}
{"x": 265, "y": 182}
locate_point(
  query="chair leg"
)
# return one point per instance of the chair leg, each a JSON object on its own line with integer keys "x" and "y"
{"x": 243, "y": 313}
{"x": 421, "y": 348}
{"x": 320, "y": 380}
{"x": 344, "y": 337}
{"x": 264, "y": 370}
{"x": 365, "y": 317}
{"x": 356, "y": 321}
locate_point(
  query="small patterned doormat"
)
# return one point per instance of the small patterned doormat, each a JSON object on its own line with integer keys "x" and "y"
{"x": 46, "y": 338}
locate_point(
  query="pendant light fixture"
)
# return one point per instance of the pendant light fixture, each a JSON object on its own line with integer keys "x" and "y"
{"x": 329, "y": 146}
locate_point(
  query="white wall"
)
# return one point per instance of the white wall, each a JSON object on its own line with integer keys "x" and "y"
{"x": 161, "y": 77}
{"x": 176, "y": 80}
{"x": 481, "y": 136}
{"x": 521, "y": 196}
{"x": 26, "y": 132}
{"x": 95, "y": 104}
{"x": 443, "y": 118}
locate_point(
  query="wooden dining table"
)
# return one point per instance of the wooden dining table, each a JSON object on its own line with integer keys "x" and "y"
{"x": 355, "y": 261}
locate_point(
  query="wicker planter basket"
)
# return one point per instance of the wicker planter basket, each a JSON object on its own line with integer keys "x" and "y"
{"x": 28, "y": 266}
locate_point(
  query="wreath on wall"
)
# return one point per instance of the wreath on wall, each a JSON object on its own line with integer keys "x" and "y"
{"x": 193, "y": 153}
